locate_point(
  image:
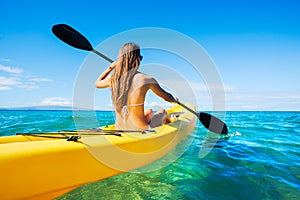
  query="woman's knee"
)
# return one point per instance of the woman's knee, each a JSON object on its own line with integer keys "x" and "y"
{"x": 149, "y": 114}
{"x": 162, "y": 112}
{"x": 149, "y": 110}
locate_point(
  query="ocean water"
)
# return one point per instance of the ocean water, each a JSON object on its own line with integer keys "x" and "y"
{"x": 260, "y": 158}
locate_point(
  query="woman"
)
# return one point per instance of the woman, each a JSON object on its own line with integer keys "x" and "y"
{"x": 129, "y": 88}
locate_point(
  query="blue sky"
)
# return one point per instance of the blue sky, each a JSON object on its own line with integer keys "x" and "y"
{"x": 255, "y": 46}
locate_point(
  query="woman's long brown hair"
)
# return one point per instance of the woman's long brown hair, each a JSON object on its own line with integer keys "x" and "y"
{"x": 126, "y": 67}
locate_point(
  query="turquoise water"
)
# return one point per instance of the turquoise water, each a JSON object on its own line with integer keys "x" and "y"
{"x": 260, "y": 159}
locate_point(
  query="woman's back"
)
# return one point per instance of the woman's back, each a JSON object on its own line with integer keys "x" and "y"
{"x": 131, "y": 116}
{"x": 129, "y": 88}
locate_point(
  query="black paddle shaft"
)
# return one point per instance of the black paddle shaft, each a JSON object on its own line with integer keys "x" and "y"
{"x": 210, "y": 122}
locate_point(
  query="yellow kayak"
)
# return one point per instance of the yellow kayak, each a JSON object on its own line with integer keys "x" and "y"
{"x": 45, "y": 166}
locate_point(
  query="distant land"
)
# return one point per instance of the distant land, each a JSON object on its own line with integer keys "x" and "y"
{"x": 44, "y": 108}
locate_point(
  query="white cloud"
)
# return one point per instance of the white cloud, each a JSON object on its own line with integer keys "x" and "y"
{"x": 40, "y": 80}
{"x": 31, "y": 83}
{"x": 29, "y": 86}
{"x": 155, "y": 104}
{"x": 7, "y": 83}
{"x": 3, "y": 88}
{"x": 56, "y": 101}
{"x": 21, "y": 81}
{"x": 13, "y": 70}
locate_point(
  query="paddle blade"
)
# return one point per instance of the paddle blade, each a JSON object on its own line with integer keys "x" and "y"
{"x": 213, "y": 124}
{"x": 72, "y": 37}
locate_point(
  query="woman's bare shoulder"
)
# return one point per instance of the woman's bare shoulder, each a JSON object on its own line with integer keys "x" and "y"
{"x": 144, "y": 77}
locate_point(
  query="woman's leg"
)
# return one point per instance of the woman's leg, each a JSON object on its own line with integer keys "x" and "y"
{"x": 149, "y": 114}
{"x": 160, "y": 118}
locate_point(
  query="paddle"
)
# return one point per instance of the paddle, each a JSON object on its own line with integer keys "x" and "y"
{"x": 75, "y": 39}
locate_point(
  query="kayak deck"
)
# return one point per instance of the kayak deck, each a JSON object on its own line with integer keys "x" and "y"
{"x": 40, "y": 167}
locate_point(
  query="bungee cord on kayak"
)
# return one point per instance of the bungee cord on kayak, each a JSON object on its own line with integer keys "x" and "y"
{"x": 75, "y": 135}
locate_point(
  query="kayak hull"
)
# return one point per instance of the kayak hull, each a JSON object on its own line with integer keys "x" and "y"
{"x": 34, "y": 167}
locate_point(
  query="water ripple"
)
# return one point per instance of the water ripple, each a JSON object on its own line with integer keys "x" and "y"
{"x": 258, "y": 159}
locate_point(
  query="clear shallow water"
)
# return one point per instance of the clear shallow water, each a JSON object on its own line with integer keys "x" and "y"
{"x": 260, "y": 159}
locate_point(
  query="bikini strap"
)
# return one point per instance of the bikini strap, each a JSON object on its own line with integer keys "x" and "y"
{"x": 138, "y": 104}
